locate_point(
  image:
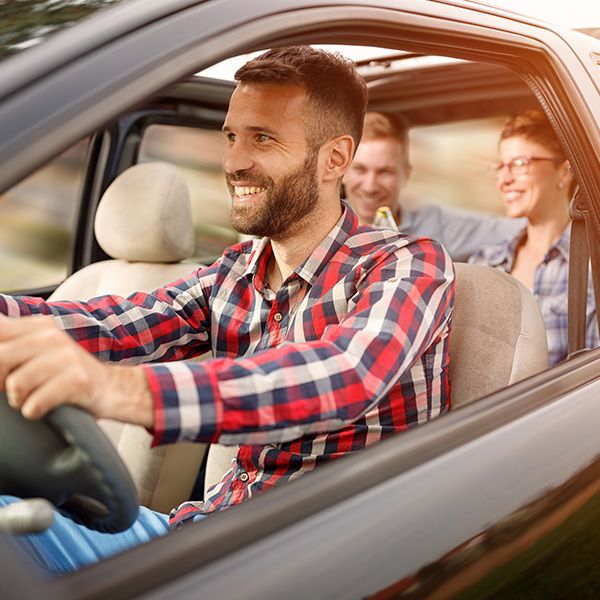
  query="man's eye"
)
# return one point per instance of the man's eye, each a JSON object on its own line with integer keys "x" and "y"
{"x": 519, "y": 162}
{"x": 263, "y": 137}
{"x": 230, "y": 137}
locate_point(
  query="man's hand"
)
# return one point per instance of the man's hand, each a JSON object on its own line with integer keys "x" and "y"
{"x": 41, "y": 367}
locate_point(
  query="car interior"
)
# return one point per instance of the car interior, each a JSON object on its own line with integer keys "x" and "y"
{"x": 498, "y": 334}
{"x": 165, "y": 154}
{"x": 164, "y": 213}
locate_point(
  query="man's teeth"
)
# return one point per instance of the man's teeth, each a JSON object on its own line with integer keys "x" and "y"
{"x": 248, "y": 191}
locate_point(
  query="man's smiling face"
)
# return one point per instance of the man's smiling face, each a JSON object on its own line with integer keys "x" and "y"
{"x": 376, "y": 177}
{"x": 270, "y": 167}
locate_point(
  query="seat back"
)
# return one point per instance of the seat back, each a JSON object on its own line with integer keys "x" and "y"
{"x": 144, "y": 222}
{"x": 498, "y": 335}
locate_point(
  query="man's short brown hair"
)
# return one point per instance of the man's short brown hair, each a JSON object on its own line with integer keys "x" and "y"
{"x": 380, "y": 126}
{"x": 331, "y": 82}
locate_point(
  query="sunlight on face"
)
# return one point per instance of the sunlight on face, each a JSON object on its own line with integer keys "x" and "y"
{"x": 376, "y": 177}
{"x": 532, "y": 194}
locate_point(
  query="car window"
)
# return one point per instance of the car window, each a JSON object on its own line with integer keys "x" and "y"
{"x": 197, "y": 153}
{"x": 37, "y": 223}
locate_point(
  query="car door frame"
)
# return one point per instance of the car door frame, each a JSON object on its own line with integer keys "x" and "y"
{"x": 552, "y": 69}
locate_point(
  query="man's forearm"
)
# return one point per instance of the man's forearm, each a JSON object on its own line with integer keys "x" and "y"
{"x": 142, "y": 327}
{"x": 41, "y": 367}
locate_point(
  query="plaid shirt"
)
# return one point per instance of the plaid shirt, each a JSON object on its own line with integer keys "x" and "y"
{"x": 550, "y": 287}
{"x": 351, "y": 349}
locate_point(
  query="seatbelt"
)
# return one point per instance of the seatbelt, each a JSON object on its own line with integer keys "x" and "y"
{"x": 578, "y": 277}
{"x": 580, "y": 254}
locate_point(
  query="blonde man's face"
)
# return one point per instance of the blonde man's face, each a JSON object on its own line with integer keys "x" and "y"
{"x": 376, "y": 177}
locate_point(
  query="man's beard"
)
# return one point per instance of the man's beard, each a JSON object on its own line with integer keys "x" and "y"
{"x": 285, "y": 203}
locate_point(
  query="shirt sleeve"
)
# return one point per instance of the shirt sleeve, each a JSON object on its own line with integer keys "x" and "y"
{"x": 401, "y": 305}
{"x": 465, "y": 233}
{"x": 171, "y": 323}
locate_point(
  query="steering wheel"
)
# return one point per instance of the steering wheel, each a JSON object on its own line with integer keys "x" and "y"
{"x": 67, "y": 459}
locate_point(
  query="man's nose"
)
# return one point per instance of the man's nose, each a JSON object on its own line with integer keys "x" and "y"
{"x": 370, "y": 182}
{"x": 237, "y": 158}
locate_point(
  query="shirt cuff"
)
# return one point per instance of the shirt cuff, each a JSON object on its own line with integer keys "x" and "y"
{"x": 186, "y": 402}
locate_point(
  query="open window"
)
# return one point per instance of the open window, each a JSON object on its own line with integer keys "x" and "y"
{"x": 494, "y": 66}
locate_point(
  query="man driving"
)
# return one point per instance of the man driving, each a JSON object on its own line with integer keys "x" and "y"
{"x": 326, "y": 336}
{"x": 380, "y": 171}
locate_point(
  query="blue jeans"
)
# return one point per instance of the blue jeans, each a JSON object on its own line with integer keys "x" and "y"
{"x": 67, "y": 546}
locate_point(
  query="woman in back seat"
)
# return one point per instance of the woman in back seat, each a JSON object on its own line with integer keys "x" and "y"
{"x": 535, "y": 180}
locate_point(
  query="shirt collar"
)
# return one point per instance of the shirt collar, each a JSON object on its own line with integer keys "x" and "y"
{"x": 310, "y": 269}
{"x": 260, "y": 255}
{"x": 333, "y": 241}
{"x": 561, "y": 246}
{"x": 504, "y": 253}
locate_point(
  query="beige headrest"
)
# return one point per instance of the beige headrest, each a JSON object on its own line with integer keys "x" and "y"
{"x": 145, "y": 215}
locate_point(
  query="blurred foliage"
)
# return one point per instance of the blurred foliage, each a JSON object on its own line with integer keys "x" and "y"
{"x": 561, "y": 565}
{"x": 25, "y": 23}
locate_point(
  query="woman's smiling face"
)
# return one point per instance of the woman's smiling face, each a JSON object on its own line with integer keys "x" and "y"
{"x": 532, "y": 193}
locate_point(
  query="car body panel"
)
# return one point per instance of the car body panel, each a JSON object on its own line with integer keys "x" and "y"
{"x": 361, "y": 488}
{"x": 402, "y": 537}
{"x": 415, "y": 515}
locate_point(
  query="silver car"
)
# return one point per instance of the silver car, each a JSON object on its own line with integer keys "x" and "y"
{"x": 499, "y": 498}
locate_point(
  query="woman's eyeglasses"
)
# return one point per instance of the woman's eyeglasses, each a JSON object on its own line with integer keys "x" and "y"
{"x": 520, "y": 164}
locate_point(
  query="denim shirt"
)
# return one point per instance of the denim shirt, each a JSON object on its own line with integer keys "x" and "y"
{"x": 550, "y": 288}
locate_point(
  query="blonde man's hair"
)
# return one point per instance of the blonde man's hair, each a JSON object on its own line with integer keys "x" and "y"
{"x": 380, "y": 126}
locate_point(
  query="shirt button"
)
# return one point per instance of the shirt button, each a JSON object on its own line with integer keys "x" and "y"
{"x": 278, "y": 317}
{"x": 244, "y": 477}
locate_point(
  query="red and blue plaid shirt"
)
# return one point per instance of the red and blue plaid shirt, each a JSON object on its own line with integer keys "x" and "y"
{"x": 351, "y": 349}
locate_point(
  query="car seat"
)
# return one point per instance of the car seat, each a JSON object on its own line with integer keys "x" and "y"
{"x": 144, "y": 222}
{"x": 498, "y": 335}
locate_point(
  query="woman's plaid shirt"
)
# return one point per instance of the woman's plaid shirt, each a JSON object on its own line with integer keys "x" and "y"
{"x": 550, "y": 288}
{"x": 352, "y": 348}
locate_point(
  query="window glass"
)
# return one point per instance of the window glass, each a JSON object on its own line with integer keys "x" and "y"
{"x": 197, "y": 153}
{"x": 37, "y": 222}
{"x": 451, "y": 165}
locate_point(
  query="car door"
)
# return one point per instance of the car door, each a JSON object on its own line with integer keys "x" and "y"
{"x": 414, "y": 514}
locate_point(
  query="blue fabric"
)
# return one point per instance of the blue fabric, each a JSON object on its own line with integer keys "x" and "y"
{"x": 550, "y": 288}
{"x": 67, "y": 546}
{"x": 461, "y": 232}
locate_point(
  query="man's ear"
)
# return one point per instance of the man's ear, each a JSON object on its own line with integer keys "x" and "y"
{"x": 339, "y": 153}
